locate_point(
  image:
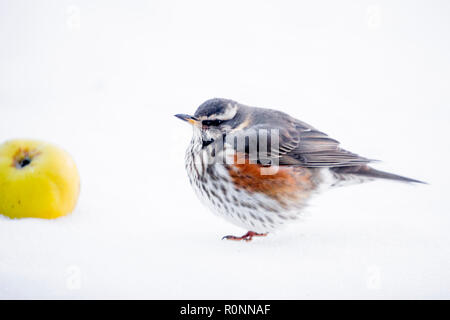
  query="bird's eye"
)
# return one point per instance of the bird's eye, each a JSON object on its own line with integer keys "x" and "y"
{"x": 210, "y": 123}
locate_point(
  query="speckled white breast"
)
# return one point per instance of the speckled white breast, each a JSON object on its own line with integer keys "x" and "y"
{"x": 215, "y": 188}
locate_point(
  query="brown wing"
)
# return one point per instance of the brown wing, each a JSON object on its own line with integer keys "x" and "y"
{"x": 303, "y": 145}
{"x": 315, "y": 149}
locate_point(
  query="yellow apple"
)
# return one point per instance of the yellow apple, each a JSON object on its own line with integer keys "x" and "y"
{"x": 37, "y": 180}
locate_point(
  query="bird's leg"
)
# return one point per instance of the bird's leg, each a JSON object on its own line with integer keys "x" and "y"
{"x": 246, "y": 237}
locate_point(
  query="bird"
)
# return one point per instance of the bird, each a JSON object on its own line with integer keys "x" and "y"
{"x": 258, "y": 168}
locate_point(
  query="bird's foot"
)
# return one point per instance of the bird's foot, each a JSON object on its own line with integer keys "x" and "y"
{"x": 246, "y": 237}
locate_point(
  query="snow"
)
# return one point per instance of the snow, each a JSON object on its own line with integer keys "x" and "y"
{"x": 103, "y": 80}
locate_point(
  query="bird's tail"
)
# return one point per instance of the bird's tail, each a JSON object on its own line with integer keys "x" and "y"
{"x": 369, "y": 172}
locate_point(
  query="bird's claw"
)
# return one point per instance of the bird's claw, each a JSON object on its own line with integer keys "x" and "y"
{"x": 246, "y": 237}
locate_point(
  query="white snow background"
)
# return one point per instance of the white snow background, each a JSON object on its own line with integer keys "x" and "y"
{"x": 103, "y": 79}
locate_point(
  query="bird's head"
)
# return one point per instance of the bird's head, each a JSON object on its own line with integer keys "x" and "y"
{"x": 215, "y": 118}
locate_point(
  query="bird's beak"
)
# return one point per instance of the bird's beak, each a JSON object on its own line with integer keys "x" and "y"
{"x": 185, "y": 117}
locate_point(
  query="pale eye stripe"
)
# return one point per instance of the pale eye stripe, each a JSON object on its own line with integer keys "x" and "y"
{"x": 229, "y": 113}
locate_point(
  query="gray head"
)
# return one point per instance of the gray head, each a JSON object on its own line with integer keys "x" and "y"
{"x": 216, "y": 117}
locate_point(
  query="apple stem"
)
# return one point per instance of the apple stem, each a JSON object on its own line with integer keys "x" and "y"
{"x": 24, "y": 162}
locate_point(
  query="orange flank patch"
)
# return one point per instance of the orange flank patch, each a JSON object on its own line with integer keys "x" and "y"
{"x": 287, "y": 183}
